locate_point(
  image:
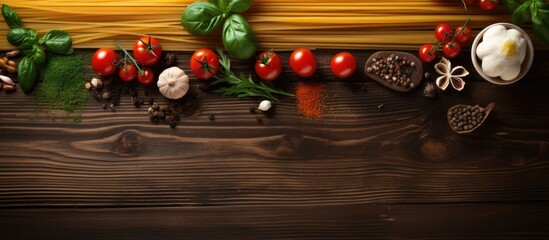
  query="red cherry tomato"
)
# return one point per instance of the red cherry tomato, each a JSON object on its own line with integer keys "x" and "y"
{"x": 451, "y": 49}
{"x": 204, "y": 63}
{"x": 444, "y": 33}
{"x": 343, "y": 65}
{"x": 303, "y": 62}
{"x": 463, "y": 34}
{"x": 147, "y": 51}
{"x": 128, "y": 72}
{"x": 105, "y": 61}
{"x": 488, "y": 5}
{"x": 427, "y": 53}
{"x": 146, "y": 77}
{"x": 268, "y": 66}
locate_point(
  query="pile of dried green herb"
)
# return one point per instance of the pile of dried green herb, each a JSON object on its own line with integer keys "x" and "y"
{"x": 62, "y": 86}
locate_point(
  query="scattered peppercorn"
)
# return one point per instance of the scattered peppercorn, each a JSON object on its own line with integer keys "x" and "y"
{"x": 259, "y": 119}
{"x": 171, "y": 59}
{"x": 253, "y": 109}
{"x": 211, "y": 117}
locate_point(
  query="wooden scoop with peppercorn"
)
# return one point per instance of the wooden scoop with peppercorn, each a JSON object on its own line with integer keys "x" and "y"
{"x": 466, "y": 118}
{"x": 400, "y": 71}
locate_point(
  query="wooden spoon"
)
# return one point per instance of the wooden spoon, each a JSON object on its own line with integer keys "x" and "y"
{"x": 458, "y": 125}
{"x": 416, "y": 76}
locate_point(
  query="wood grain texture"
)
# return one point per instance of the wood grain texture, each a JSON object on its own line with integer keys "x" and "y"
{"x": 431, "y": 221}
{"x": 287, "y": 168}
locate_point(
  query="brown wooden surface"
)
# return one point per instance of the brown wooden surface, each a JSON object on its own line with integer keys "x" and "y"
{"x": 359, "y": 172}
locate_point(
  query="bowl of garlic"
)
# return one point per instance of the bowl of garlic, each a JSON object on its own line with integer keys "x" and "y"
{"x": 502, "y": 53}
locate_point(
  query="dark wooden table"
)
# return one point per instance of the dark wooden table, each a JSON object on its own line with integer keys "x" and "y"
{"x": 359, "y": 172}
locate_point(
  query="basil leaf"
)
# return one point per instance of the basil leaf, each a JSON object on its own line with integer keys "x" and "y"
{"x": 11, "y": 17}
{"x": 31, "y": 36}
{"x": 57, "y": 41}
{"x": 541, "y": 30}
{"x": 238, "y": 37}
{"x": 542, "y": 5}
{"x": 521, "y": 14}
{"x": 535, "y": 17}
{"x": 27, "y": 73}
{"x": 33, "y": 52}
{"x": 512, "y": 5}
{"x": 16, "y": 36}
{"x": 201, "y": 18}
{"x": 27, "y": 48}
{"x": 239, "y": 6}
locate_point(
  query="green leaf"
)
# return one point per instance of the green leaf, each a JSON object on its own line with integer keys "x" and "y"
{"x": 239, "y": 6}
{"x": 541, "y": 30}
{"x": 238, "y": 37}
{"x": 57, "y": 41}
{"x": 511, "y": 5}
{"x": 521, "y": 14}
{"x": 16, "y": 36}
{"x": 27, "y": 73}
{"x": 38, "y": 55}
{"x": 11, "y": 17}
{"x": 201, "y": 18}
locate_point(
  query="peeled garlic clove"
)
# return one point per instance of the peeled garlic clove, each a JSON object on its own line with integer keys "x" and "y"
{"x": 265, "y": 105}
{"x": 6, "y": 80}
{"x": 96, "y": 83}
{"x": 460, "y": 124}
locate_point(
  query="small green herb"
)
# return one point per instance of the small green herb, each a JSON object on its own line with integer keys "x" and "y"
{"x": 537, "y": 10}
{"x": 62, "y": 86}
{"x": 26, "y": 39}
{"x": 241, "y": 85}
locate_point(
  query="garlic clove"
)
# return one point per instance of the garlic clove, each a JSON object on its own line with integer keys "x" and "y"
{"x": 7, "y": 80}
{"x": 96, "y": 83}
{"x": 462, "y": 126}
{"x": 265, "y": 105}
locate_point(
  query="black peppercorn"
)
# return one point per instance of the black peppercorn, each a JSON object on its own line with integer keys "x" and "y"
{"x": 171, "y": 59}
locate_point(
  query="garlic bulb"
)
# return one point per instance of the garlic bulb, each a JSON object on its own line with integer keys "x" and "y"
{"x": 502, "y": 52}
{"x": 173, "y": 83}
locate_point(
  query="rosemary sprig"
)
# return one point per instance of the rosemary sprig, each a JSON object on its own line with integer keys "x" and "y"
{"x": 241, "y": 85}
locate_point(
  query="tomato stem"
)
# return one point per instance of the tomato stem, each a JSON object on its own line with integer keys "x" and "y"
{"x": 127, "y": 55}
{"x": 462, "y": 30}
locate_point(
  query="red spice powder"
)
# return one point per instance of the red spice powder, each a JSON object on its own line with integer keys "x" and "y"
{"x": 310, "y": 98}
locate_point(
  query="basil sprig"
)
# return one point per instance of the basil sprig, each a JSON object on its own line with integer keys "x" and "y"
{"x": 202, "y": 18}
{"x": 536, "y": 10}
{"x": 26, "y": 39}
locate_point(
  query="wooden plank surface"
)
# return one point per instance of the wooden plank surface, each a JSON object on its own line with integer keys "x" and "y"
{"x": 424, "y": 221}
{"x": 329, "y": 178}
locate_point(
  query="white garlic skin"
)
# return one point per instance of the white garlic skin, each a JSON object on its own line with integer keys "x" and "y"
{"x": 265, "y": 105}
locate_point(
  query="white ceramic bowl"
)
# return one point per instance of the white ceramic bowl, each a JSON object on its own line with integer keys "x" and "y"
{"x": 526, "y": 64}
